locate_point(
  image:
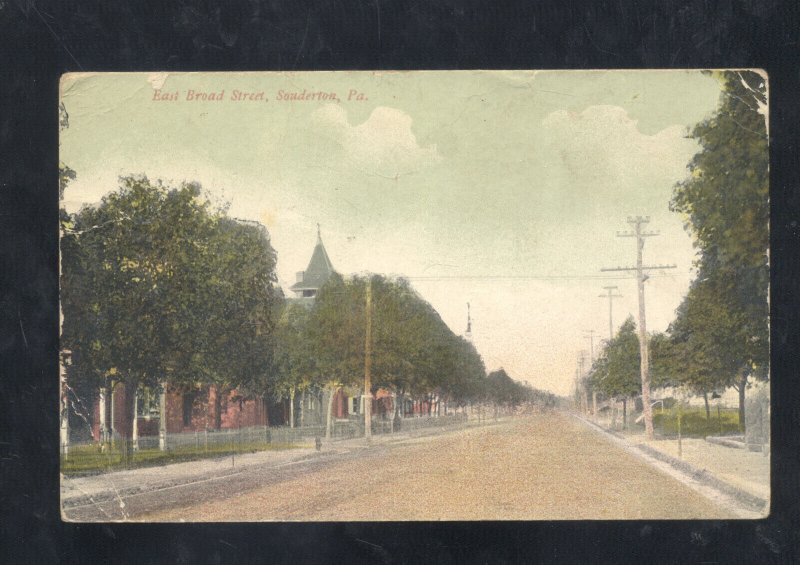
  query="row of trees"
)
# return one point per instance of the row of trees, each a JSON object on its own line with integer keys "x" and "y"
{"x": 413, "y": 352}
{"x": 160, "y": 288}
{"x": 720, "y": 336}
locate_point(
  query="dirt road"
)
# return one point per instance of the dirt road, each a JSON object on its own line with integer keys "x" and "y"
{"x": 544, "y": 467}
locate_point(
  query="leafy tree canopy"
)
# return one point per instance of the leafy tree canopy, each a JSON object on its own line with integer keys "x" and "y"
{"x": 725, "y": 202}
{"x": 159, "y": 285}
{"x": 616, "y": 372}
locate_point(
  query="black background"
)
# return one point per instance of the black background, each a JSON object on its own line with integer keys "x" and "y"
{"x": 42, "y": 40}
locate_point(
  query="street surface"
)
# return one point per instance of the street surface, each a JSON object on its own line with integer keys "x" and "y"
{"x": 542, "y": 467}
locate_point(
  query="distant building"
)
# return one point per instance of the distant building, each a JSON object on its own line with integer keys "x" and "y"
{"x": 317, "y": 273}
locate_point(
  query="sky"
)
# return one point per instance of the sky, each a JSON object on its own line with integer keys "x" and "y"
{"x": 503, "y": 190}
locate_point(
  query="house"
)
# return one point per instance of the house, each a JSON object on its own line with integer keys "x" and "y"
{"x": 184, "y": 411}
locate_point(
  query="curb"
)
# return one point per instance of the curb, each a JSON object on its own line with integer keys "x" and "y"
{"x": 750, "y": 501}
{"x": 726, "y": 442}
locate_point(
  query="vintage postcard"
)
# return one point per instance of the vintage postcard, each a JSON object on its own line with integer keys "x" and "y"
{"x": 450, "y": 295}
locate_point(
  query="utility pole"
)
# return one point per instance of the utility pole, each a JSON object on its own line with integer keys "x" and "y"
{"x": 581, "y": 386}
{"x": 611, "y": 296}
{"x": 368, "y": 365}
{"x": 590, "y": 337}
{"x": 641, "y": 277}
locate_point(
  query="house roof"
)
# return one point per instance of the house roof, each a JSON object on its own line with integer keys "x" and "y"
{"x": 318, "y": 271}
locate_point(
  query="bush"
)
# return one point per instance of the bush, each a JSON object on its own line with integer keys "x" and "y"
{"x": 695, "y": 424}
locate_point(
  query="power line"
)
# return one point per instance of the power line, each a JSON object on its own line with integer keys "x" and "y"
{"x": 641, "y": 277}
{"x": 546, "y": 277}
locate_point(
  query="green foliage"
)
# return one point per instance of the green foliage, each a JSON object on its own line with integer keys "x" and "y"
{"x": 726, "y": 203}
{"x": 616, "y": 372}
{"x": 158, "y": 285}
{"x": 505, "y": 391}
{"x": 413, "y": 350}
{"x": 89, "y": 459}
{"x": 241, "y": 299}
{"x": 706, "y": 338}
{"x": 294, "y": 365}
{"x": 665, "y": 361}
{"x": 336, "y": 330}
{"x": 721, "y": 334}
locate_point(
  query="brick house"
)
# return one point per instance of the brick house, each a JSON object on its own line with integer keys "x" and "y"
{"x": 185, "y": 411}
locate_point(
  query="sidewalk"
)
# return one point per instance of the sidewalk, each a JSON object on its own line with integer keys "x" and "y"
{"x": 744, "y": 472}
{"x": 76, "y": 491}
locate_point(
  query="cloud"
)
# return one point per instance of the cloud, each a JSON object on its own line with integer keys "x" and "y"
{"x": 603, "y": 143}
{"x": 384, "y": 144}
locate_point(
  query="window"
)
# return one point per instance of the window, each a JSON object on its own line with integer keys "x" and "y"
{"x": 147, "y": 403}
{"x": 188, "y": 406}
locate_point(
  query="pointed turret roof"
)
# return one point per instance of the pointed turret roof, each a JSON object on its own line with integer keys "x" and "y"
{"x": 319, "y": 268}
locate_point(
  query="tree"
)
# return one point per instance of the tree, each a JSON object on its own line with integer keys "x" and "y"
{"x": 413, "y": 350}
{"x": 295, "y": 369}
{"x": 726, "y": 204}
{"x": 160, "y": 287}
{"x": 707, "y": 339}
{"x": 335, "y": 334}
{"x": 505, "y": 391}
{"x": 615, "y": 372}
{"x": 665, "y": 361}
{"x": 239, "y": 297}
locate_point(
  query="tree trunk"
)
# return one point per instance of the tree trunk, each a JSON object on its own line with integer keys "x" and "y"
{"x": 302, "y": 408}
{"x": 103, "y": 429}
{"x": 162, "y": 418}
{"x": 217, "y": 408}
{"x": 291, "y": 407}
{"x": 624, "y": 413}
{"x": 329, "y": 415}
{"x": 614, "y": 411}
{"x": 741, "y": 388}
{"x": 130, "y": 418}
{"x": 135, "y": 423}
{"x": 708, "y": 409}
{"x": 113, "y": 410}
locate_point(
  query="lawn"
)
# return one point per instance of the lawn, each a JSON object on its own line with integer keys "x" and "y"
{"x": 694, "y": 422}
{"x": 91, "y": 459}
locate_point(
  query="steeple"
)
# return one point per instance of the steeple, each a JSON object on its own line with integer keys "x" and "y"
{"x": 316, "y": 274}
{"x": 468, "y": 333}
